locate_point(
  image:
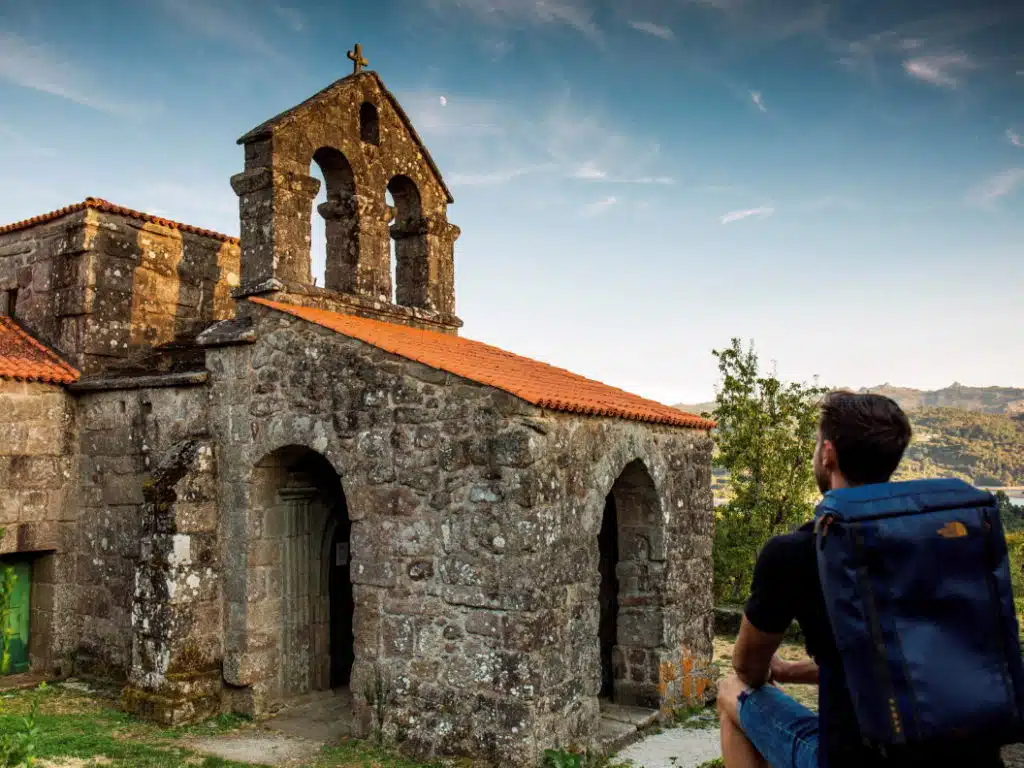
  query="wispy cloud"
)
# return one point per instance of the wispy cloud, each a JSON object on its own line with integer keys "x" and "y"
{"x": 753, "y": 25}
{"x": 721, "y": 5}
{"x": 230, "y": 21}
{"x": 929, "y": 48}
{"x": 761, "y": 213}
{"x": 996, "y": 187}
{"x": 495, "y": 177}
{"x": 590, "y": 172}
{"x": 946, "y": 71}
{"x": 455, "y": 117}
{"x": 651, "y": 28}
{"x": 758, "y": 99}
{"x": 486, "y": 139}
{"x": 495, "y": 48}
{"x": 576, "y": 14}
{"x": 666, "y": 180}
{"x": 600, "y": 206}
{"x": 1014, "y": 137}
{"x": 40, "y": 68}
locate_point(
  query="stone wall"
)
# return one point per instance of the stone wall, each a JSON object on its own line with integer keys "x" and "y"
{"x": 38, "y": 466}
{"x": 101, "y": 287}
{"x": 176, "y": 619}
{"x": 473, "y": 546}
{"x": 128, "y": 440}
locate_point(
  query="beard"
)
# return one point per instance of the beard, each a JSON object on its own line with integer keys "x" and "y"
{"x": 823, "y": 478}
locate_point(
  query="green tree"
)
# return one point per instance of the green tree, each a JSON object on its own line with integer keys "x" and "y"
{"x": 1011, "y": 515}
{"x": 766, "y": 435}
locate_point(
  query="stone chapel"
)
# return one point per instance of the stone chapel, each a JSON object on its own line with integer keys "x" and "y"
{"x": 228, "y": 488}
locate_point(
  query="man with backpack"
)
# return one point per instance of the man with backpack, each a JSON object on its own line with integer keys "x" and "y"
{"x": 913, "y": 580}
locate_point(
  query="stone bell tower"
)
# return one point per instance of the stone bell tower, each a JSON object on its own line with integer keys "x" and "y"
{"x": 365, "y": 145}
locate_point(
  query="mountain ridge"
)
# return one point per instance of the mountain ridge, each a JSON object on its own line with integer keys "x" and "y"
{"x": 994, "y": 399}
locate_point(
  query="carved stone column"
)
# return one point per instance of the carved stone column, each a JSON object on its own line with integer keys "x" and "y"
{"x": 275, "y": 207}
{"x": 341, "y": 225}
{"x": 373, "y": 271}
{"x": 425, "y": 249}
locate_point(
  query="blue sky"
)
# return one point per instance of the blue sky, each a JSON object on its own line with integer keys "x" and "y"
{"x": 637, "y": 181}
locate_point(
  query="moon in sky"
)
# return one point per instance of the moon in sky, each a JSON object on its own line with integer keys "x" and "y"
{"x": 444, "y": 101}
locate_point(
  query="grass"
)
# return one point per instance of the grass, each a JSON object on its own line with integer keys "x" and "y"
{"x": 88, "y": 731}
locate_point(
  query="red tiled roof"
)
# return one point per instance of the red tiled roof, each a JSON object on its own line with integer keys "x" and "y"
{"x": 535, "y": 382}
{"x": 22, "y": 357}
{"x": 102, "y": 205}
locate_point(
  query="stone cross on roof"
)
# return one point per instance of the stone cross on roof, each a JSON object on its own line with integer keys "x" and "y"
{"x": 357, "y": 59}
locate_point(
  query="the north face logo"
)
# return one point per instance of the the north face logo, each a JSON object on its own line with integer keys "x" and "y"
{"x": 953, "y": 530}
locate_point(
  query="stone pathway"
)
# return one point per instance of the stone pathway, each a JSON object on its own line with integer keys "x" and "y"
{"x": 620, "y": 725}
{"x": 260, "y": 747}
{"x": 674, "y": 748}
{"x": 292, "y": 738}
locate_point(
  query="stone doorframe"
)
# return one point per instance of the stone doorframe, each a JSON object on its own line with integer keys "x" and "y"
{"x": 252, "y": 592}
{"x": 641, "y": 570}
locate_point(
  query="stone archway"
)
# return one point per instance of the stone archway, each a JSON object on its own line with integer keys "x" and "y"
{"x": 631, "y": 567}
{"x": 298, "y": 584}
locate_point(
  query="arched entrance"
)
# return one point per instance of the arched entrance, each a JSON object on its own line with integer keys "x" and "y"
{"x": 631, "y": 569}
{"x": 304, "y": 539}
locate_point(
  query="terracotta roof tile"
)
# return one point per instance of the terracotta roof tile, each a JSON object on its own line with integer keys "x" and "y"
{"x": 102, "y": 205}
{"x": 22, "y": 357}
{"x": 535, "y": 382}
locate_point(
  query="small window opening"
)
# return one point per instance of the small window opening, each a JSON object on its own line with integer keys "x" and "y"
{"x": 369, "y": 123}
{"x": 8, "y": 302}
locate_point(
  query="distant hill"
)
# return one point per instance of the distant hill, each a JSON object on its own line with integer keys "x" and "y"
{"x": 976, "y": 433}
{"x": 982, "y": 399}
{"x": 982, "y": 448}
{"x": 1009, "y": 400}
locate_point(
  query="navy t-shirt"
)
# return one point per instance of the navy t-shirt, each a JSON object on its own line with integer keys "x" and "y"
{"x": 786, "y": 587}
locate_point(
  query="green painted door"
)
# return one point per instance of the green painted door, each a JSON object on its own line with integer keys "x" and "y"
{"x": 14, "y": 646}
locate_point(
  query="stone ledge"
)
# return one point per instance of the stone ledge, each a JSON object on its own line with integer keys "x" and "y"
{"x": 348, "y": 303}
{"x": 187, "y": 379}
{"x": 226, "y": 333}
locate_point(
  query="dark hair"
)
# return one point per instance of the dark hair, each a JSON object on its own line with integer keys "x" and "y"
{"x": 869, "y": 432}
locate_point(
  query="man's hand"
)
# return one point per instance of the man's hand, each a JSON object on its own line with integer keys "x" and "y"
{"x": 782, "y": 671}
{"x": 778, "y": 670}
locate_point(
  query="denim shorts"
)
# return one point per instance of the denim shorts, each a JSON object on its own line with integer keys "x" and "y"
{"x": 783, "y": 730}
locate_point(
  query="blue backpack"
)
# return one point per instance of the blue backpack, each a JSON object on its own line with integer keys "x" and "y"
{"x": 916, "y": 580}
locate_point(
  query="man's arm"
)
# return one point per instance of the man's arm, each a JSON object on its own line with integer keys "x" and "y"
{"x": 804, "y": 672}
{"x": 753, "y": 653}
{"x": 755, "y": 662}
{"x": 768, "y": 613}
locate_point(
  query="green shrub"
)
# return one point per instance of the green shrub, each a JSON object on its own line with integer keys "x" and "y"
{"x": 18, "y": 749}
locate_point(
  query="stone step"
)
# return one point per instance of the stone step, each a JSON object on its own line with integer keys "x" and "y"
{"x": 621, "y": 725}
